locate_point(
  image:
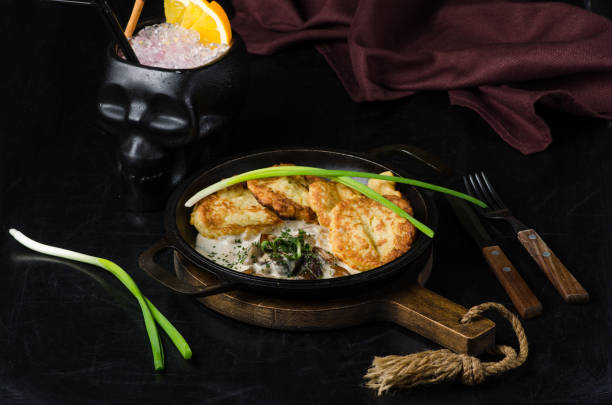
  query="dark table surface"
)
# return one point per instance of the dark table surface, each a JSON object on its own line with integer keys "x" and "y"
{"x": 71, "y": 334}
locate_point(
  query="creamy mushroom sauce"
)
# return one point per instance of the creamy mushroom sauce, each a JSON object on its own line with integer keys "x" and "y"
{"x": 241, "y": 252}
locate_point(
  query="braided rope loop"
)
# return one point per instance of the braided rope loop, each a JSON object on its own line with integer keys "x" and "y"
{"x": 436, "y": 366}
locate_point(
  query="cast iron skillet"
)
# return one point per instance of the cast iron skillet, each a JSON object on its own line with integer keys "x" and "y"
{"x": 180, "y": 235}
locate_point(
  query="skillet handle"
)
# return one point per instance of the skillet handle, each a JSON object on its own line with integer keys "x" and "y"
{"x": 429, "y": 159}
{"x": 146, "y": 261}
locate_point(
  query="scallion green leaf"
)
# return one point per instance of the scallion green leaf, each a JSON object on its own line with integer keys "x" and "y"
{"x": 277, "y": 171}
{"x": 342, "y": 176}
{"x": 150, "y": 313}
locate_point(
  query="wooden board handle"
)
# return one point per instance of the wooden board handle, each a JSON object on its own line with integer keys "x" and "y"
{"x": 569, "y": 288}
{"x": 437, "y": 319}
{"x": 525, "y": 302}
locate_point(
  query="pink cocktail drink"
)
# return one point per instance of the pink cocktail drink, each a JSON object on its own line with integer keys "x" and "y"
{"x": 171, "y": 46}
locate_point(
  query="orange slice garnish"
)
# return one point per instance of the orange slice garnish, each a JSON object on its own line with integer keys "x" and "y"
{"x": 210, "y": 20}
{"x": 174, "y": 10}
{"x": 191, "y": 15}
{"x": 213, "y": 25}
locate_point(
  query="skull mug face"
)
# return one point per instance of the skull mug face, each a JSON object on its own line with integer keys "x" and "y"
{"x": 164, "y": 120}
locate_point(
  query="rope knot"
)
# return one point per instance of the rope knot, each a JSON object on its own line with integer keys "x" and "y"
{"x": 435, "y": 366}
{"x": 473, "y": 372}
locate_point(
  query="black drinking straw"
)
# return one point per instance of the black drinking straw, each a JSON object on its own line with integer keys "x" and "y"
{"x": 70, "y": 2}
{"x": 111, "y": 21}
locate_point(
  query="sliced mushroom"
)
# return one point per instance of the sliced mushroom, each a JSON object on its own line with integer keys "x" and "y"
{"x": 339, "y": 271}
{"x": 325, "y": 255}
{"x": 332, "y": 261}
{"x": 311, "y": 270}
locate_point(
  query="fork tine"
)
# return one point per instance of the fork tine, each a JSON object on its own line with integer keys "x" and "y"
{"x": 472, "y": 188}
{"x": 482, "y": 195}
{"x": 489, "y": 200}
{"x": 468, "y": 188}
{"x": 494, "y": 194}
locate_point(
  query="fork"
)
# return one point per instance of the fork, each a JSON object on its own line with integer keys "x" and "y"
{"x": 479, "y": 186}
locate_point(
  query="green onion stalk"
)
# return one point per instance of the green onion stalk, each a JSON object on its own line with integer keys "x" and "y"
{"x": 150, "y": 313}
{"x": 343, "y": 177}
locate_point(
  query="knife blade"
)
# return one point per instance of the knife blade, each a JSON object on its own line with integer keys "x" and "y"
{"x": 525, "y": 302}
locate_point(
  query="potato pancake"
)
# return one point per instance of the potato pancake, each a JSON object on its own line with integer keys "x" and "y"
{"x": 231, "y": 211}
{"x": 323, "y": 197}
{"x": 364, "y": 234}
{"x": 286, "y": 195}
{"x": 384, "y": 187}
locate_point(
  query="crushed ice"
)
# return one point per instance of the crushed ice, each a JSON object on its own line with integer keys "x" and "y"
{"x": 171, "y": 46}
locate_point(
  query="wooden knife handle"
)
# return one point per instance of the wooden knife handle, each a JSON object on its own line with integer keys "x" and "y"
{"x": 525, "y": 302}
{"x": 569, "y": 288}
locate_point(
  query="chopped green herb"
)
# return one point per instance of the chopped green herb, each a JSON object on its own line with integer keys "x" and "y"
{"x": 290, "y": 251}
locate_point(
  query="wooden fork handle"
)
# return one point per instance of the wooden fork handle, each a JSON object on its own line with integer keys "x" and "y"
{"x": 569, "y": 288}
{"x": 525, "y": 302}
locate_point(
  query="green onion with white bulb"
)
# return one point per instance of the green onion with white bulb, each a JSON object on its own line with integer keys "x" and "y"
{"x": 341, "y": 176}
{"x": 150, "y": 313}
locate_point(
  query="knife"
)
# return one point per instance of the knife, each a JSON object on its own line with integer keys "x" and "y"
{"x": 525, "y": 302}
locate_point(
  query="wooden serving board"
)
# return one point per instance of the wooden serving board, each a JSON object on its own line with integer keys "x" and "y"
{"x": 403, "y": 301}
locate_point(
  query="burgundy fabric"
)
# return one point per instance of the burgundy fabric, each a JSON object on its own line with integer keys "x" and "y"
{"x": 498, "y": 58}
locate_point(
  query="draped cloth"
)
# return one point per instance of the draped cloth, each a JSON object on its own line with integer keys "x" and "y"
{"x": 498, "y": 58}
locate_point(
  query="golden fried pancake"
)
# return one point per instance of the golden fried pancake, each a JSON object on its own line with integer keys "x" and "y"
{"x": 364, "y": 234}
{"x": 312, "y": 179}
{"x": 400, "y": 202}
{"x": 323, "y": 197}
{"x": 287, "y": 196}
{"x": 384, "y": 187}
{"x": 231, "y": 211}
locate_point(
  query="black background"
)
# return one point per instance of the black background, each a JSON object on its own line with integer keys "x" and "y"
{"x": 72, "y": 334}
